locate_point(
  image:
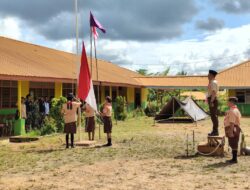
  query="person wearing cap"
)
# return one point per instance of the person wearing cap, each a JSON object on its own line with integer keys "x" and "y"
{"x": 107, "y": 120}
{"x": 212, "y": 93}
{"x": 69, "y": 111}
{"x": 232, "y": 127}
{"x": 89, "y": 121}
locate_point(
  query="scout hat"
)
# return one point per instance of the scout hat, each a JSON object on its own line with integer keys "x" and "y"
{"x": 233, "y": 99}
{"x": 213, "y": 72}
{"x": 70, "y": 96}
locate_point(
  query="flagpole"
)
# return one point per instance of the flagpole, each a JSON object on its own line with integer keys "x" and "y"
{"x": 77, "y": 67}
{"x": 98, "y": 86}
{"x": 91, "y": 37}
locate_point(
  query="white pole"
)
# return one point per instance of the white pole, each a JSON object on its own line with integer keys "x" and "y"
{"x": 78, "y": 68}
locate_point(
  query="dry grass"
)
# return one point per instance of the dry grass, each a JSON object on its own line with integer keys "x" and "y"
{"x": 143, "y": 157}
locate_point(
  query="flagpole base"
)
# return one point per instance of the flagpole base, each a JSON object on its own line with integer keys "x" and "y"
{"x": 86, "y": 143}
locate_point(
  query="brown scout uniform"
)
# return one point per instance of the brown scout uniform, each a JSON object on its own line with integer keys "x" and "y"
{"x": 89, "y": 118}
{"x": 107, "y": 113}
{"x": 213, "y": 86}
{"x": 233, "y": 133}
{"x": 70, "y": 117}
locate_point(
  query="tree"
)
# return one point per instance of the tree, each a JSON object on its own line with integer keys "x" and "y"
{"x": 142, "y": 71}
{"x": 182, "y": 73}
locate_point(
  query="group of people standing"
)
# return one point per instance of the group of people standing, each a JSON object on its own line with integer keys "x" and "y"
{"x": 69, "y": 111}
{"x": 232, "y": 117}
{"x": 34, "y": 110}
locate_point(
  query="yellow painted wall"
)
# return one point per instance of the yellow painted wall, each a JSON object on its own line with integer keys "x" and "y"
{"x": 19, "y": 95}
{"x": 25, "y": 88}
{"x": 58, "y": 89}
{"x": 130, "y": 95}
{"x": 102, "y": 94}
{"x": 144, "y": 97}
{"x": 110, "y": 92}
{"x": 231, "y": 93}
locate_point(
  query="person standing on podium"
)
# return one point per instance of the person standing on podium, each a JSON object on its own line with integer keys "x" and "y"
{"x": 212, "y": 99}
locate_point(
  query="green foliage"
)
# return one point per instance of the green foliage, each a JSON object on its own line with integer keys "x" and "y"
{"x": 49, "y": 126}
{"x": 151, "y": 109}
{"x": 120, "y": 110}
{"x": 56, "y": 114}
{"x": 222, "y": 107}
{"x": 138, "y": 112}
{"x": 34, "y": 133}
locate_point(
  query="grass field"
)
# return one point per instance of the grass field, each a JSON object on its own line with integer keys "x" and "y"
{"x": 143, "y": 157}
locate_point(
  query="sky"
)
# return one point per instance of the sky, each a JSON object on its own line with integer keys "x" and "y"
{"x": 185, "y": 35}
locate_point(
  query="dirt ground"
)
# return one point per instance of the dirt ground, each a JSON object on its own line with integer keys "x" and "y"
{"x": 144, "y": 156}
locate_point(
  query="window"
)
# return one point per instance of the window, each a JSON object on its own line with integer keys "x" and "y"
{"x": 241, "y": 96}
{"x": 247, "y": 100}
{"x": 107, "y": 91}
{"x": 8, "y": 94}
{"x": 42, "y": 89}
{"x": 68, "y": 88}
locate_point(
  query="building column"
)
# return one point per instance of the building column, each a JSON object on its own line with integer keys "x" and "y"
{"x": 110, "y": 91}
{"x": 231, "y": 93}
{"x": 102, "y": 94}
{"x": 131, "y": 98}
{"x": 25, "y": 88}
{"x": 19, "y": 96}
{"x": 144, "y": 97}
{"x": 58, "y": 89}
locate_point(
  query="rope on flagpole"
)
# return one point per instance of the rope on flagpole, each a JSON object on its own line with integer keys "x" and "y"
{"x": 98, "y": 86}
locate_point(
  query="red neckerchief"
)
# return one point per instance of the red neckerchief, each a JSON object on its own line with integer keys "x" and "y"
{"x": 69, "y": 105}
{"x": 234, "y": 107}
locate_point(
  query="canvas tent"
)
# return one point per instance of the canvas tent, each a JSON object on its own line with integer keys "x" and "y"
{"x": 189, "y": 107}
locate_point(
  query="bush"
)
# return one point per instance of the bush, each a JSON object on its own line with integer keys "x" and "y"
{"x": 34, "y": 133}
{"x": 138, "y": 112}
{"x": 49, "y": 126}
{"x": 151, "y": 109}
{"x": 56, "y": 114}
{"x": 120, "y": 110}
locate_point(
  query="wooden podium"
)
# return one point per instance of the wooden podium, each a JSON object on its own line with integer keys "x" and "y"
{"x": 213, "y": 147}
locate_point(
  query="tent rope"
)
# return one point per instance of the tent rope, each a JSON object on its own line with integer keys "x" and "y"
{"x": 209, "y": 154}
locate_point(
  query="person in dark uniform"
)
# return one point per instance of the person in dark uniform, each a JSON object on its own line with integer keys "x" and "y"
{"x": 212, "y": 99}
{"x": 107, "y": 119}
{"x": 90, "y": 121}
{"x": 69, "y": 111}
{"x": 232, "y": 127}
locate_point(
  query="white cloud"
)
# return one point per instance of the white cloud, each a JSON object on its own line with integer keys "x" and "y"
{"x": 10, "y": 27}
{"x": 195, "y": 56}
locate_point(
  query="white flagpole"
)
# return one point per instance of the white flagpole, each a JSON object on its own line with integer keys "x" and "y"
{"x": 78, "y": 67}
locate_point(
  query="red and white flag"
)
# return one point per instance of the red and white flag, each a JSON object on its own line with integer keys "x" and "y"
{"x": 85, "y": 85}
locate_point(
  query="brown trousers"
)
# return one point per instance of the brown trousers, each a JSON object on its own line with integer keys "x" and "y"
{"x": 233, "y": 141}
{"x": 214, "y": 114}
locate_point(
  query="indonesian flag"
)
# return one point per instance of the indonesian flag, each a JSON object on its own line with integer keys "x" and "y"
{"x": 85, "y": 85}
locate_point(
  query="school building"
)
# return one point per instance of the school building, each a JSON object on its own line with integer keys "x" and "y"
{"x": 27, "y": 68}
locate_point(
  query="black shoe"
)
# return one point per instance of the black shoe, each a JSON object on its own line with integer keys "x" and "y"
{"x": 67, "y": 147}
{"x": 213, "y": 133}
{"x": 232, "y": 161}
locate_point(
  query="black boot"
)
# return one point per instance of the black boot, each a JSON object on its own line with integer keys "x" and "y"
{"x": 72, "y": 140}
{"x": 67, "y": 140}
{"x": 214, "y": 133}
{"x": 234, "y": 159}
{"x": 109, "y": 142}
